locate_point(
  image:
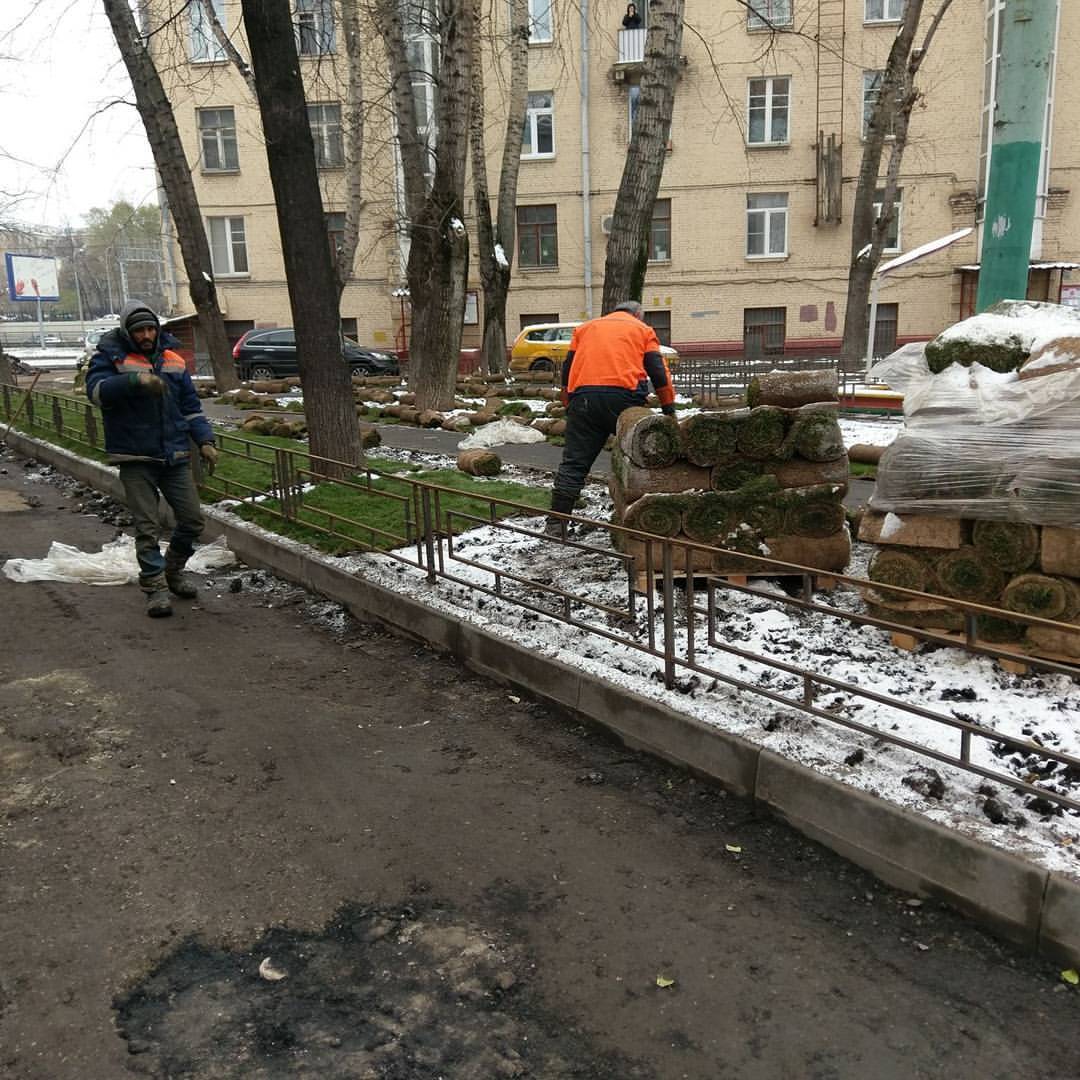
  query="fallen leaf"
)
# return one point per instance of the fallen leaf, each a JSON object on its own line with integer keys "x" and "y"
{"x": 734, "y": 849}
{"x": 1072, "y": 977}
{"x": 663, "y": 981}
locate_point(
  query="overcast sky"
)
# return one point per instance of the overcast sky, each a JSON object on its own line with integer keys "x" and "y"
{"x": 58, "y": 66}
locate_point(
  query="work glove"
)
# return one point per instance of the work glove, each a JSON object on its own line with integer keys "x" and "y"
{"x": 208, "y": 452}
{"x": 564, "y": 397}
{"x": 668, "y": 410}
{"x": 148, "y": 383}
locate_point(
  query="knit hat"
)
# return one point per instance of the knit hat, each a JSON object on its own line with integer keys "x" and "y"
{"x": 142, "y": 316}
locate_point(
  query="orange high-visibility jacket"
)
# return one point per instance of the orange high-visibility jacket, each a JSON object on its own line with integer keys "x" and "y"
{"x": 617, "y": 351}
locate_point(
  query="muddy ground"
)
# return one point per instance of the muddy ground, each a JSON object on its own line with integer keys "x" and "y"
{"x": 436, "y": 876}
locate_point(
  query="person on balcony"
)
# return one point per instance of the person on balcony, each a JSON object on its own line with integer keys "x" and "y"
{"x": 631, "y": 20}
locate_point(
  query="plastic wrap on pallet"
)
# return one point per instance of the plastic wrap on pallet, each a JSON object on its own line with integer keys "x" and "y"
{"x": 982, "y": 444}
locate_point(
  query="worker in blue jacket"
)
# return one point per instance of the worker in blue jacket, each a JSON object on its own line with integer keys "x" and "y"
{"x": 151, "y": 413}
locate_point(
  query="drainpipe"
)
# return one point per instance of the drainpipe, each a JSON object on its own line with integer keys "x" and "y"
{"x": 586, "y": 163}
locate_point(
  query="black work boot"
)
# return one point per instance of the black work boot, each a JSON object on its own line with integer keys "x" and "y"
{"x": 158, "y": 604}
{"x": 179, "y": 583}
{"x": 561, "y": 503}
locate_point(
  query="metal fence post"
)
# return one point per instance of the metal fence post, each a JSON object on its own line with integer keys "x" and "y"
{"x": 669, "y": 618}
{"x": 429, "y": 538}
{"x": 90, "y": 425}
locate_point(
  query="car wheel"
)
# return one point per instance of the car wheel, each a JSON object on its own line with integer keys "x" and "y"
{"x": 260, "y": 373}
{"x": 543, "y": 364}
{"x": 358, "y": 371}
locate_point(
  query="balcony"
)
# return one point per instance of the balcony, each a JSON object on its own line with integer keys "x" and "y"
{"x": 632, "y": 46}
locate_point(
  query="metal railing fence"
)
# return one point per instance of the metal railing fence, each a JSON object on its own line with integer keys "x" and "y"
{"x": 682, "y": 604}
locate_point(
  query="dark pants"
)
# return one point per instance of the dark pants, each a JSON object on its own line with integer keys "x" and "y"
{"x": 590, "y": 419}
{"x": 142, "y": 481}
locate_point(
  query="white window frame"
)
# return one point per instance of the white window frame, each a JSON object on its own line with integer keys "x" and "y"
{"x": 633, "y": 103}
{"x": 203, "y": 46}
{"x": 232, "y": 240}
{"x": 316, "y": 17}
{"x": 767, "y": 214}
{"x": 867, "y": 75}
{"x": 219, "y": 140}
{"x": 766, "y": 14}
{"x": 329, "y": 143}
{"x": 770, "y": 109}
{"x": 898, "y": 219}
{"x": 888, "y": 7}
{"x": 533, "y": 114}
{"x": 541, "y": 22}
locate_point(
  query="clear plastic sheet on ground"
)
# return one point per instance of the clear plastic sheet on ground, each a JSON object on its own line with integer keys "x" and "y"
{"x": 114, "y": 564}
{"x": 500, "y": 433}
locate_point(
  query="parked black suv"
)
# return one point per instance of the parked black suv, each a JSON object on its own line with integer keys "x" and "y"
{"x": 271, "y": 354}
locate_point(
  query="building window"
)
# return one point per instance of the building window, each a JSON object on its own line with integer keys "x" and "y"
{"x": 766, "y": 225}
{"x": 538, "y": 320}
{"x": 314, "y": 27}
{"x": 217, "y": 130}
{"x": 540, "y": 22}
{"x": 766, "y": 14}
{"x": 885, "y": 324}
{"x": 325, "y": 121}
{"x": 633, "y": 100}
{"x": 764, "y": 331}
{"x": 892, "y": 235}
{"x": 871, "y": 89}
{"x": 660, "y": 321}
{"x": 660, "y": 232}
{"x": 767, "y": 111}
{"x": 884, "y": 10}
{"x": 204, "y": 45}
{"x": 349, "y": 328}
{"x": 228, "y": 246}
{"x": 538, "y": 237}
{"x": 538, "y": 139}
{"x": 335, "y": 232}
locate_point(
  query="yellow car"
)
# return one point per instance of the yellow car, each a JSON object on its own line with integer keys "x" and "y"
{"x": 543, "y": 347}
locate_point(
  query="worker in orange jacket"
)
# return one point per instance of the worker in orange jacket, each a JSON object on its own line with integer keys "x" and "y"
{"x": 608, "y": 369}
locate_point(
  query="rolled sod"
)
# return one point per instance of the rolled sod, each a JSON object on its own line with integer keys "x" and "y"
{"x": 816, "y": 436}
{"x": 709, "y": 438}
{"x": 1044, "y": 596}
{"x": 923, "y": 616}
{"x": 905, "y": 569}
{"x": 967, "y": 574}
{"x": 730, "y": 476}
{"x": 814, "y": 517}
{"x": 658, "y": 514}
{"x": 762, "y": 431}
{"x": 1012, "y": 546}
{"x": 791, "y": 389}
{"x": 479, "y": 463}
{"x": 650, "y": 440}
{"x": 708, "y": 517}
{"x": 998, "y": 631}
{"x": 799, "y": 473}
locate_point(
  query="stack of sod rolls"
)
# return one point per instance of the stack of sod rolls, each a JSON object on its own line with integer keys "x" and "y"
{"x": 765, "y": 481}
{"x": 1016, "y": 566}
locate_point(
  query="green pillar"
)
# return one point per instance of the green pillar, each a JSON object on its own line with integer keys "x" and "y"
{"x": 1028, "y": 28}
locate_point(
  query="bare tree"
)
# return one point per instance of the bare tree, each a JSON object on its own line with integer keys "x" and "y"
{"x": 496, "y": 239}
{"x": 309, "y": 270}
{"x": 160, "y": 123}
{"x": 433, "y": 151}
{"x": 888, "y": 123}
{"x": 628, "y": 245}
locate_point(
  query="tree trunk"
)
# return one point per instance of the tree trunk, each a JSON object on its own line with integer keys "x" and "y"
{"x": 328, "y": 401}
{"x": 626, "y": 250}
{"x": 157, "y": 116}
{"x": 498, "y": 239}
{"x": 869, "y": 231}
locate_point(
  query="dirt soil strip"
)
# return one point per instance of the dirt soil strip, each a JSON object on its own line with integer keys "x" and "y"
{"x": 453, "y": 879}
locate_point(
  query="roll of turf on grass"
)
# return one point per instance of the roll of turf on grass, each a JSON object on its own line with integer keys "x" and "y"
{"x": 732, "y": 475}
{"x": 967, "y": 574}
{"x": 762, "y": 431}
{"x": 650, "y": 440}
{"x": 905, "y": 569}
{"x": 817, "y": 436}
{"x": 1044, "y": 596}
{"x": 659, "y": 514}
{"x": 708, "y": 517}
{"x": 1012, "y": 546}
{"x": 709, "y": 438}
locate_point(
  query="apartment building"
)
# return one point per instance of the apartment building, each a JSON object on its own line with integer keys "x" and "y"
{"x": 751, "y": 232}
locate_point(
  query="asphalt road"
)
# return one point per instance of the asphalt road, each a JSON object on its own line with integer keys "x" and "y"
{"x": 454, "y": 880}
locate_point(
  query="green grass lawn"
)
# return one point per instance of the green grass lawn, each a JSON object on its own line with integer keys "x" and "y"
{"x": 868, "y": 472}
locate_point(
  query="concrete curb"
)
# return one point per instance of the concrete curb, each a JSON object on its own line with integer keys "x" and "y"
{"x": 1033, "y": 907}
